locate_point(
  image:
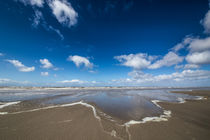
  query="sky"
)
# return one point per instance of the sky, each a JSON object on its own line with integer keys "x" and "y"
{"x": 105, "y": 43}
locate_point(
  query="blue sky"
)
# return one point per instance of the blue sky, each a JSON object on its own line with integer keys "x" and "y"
{"x": 105, "y": 43}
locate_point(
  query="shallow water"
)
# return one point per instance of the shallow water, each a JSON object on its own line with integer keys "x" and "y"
{"x": 125, "y": 104}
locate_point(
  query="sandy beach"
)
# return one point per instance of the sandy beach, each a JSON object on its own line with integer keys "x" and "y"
{"x": 188, "y": 120}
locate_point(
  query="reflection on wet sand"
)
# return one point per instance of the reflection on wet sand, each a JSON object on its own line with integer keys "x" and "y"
{"x": 114, "y": 110}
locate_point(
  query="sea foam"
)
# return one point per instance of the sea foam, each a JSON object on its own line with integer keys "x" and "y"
{"x": 8, "y": 104}
{"x": 164, "y": 117}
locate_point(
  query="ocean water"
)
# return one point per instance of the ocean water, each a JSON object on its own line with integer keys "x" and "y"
{"x": 125, "y": 104}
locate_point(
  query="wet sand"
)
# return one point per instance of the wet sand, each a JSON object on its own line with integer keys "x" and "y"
{"x": 75, "y": 122}
{"x": 190, "y": 120}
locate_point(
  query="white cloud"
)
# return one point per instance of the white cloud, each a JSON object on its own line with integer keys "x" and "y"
{"x": 7, "y": 82}
{"x": 1, "y": 54}
{"x": 199, "y": 51}
{"x": 138, "y": 77}
{"x": 136, "y": 61}
{"x": 206, "y": 22}
{"x": 191, "y": 66}
{"x": 199, "y": 58}
{"x": 77, "y": 82}
{"x": 57, "y": 32}
{"x": 169, "y": 59}
{"x": 72, "y": 81}
{"x": 186, "y": 75}
{"x": 37, "y": 18}
{"x": 187, "y": 66}
{"x": 142, "y": 60}
{"x": 179, "y": 66}
{"x": 182, "y": 45}
{"x": 199, "y": 45}
{"x": 44, "y": 73}
{"x": 38, "y": 3}
{"x": 79, "y": 60}
{"x": 20, "y": 66}
{"x": 64, "y": 12}
{"x": 46, "y": 63}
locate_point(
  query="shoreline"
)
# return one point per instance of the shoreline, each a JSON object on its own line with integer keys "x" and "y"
{"x": 99, "y": 87}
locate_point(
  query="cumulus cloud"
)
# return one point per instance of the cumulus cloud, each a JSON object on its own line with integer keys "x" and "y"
{"x": 78, "y": 82}
{"x": 136, "y": 61}
{"x": 72, "y": 81}
{"x": 38, "y": 3}
{"x": 206, "y": 22}
{"x": 183, "y": 44}
{"x": 199, "y": 45}
{"x": 199, "y": 58}
{"x": 79, "y": 60}
{"x": 44, "y": 73}
{"x": 169, "y": 59}
{"x": 64, "y": 12}
{"x": 9, "y": 82}
{"x": 199, "y": 51}
{"x": 142, "y": 60}
{"x": 5, "y": 80}
{"x": 191, "y": 66}
{"x": 46, "y": 64}
{"x": 20, "y": 66}
{"x": 185, "y": 75}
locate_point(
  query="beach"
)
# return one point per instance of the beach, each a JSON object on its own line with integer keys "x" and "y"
{"x": 189, "y": 120}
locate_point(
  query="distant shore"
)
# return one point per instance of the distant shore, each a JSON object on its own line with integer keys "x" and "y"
{"x": 97, "y": 87}
{"x": 189, "y": 120}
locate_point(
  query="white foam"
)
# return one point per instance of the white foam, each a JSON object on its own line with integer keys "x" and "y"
{"x": 200, "y": 98}
{"x": 156, "y": 103}
{"x": 3, "y": 113}
{"x": 8, "y": 104}
{"x": 5, "y": 105}
{"x": 164, "y": 117}
{"x": 55, "y": 106}
{"x": 84, "y": 104}
{"x": 181, "y": 100}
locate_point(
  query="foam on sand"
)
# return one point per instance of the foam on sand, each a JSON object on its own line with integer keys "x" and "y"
{"x": 3, "y": 105}
{"x": 112, "y": 133}
{"x": 8, "y": 104}
{"x": 164, "y": 117}
{"x": 49, "y": 107}
{"x": 200, "y": 98}
{"x": 181, "y": 100}
{"x": 156, "y": 103}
